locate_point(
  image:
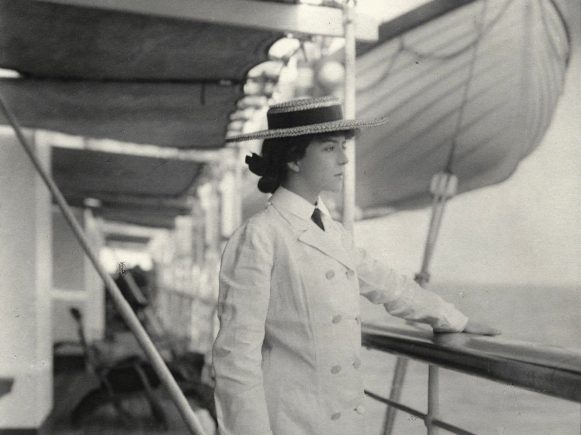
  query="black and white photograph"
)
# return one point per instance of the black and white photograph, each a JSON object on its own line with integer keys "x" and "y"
{"x": 290, "y": 217}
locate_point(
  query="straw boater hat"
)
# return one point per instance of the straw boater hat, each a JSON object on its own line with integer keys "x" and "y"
{"x": 306, "y": 116}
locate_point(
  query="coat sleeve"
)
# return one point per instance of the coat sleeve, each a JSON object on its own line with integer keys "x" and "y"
{"x": 403, "y": 297}
{"x": 245, "y": 275}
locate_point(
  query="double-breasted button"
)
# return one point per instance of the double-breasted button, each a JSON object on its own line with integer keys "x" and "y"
{"x": 358, "y": 319}
{"x": 349, "y": 273}
{"x": 335, "y": 369}
{"x": 337, "y": 318}
{"x": 336, "y": 416}
{"x": 356, "y": 363}
{"x": 360, "y": 410}
{"x": 330, "y": 274}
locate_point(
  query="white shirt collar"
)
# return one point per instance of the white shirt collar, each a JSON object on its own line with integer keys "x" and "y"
{"x": 296, "y": 204}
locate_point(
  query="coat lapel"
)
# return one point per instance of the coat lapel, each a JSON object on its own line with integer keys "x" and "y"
{"x": 327, "y": 244}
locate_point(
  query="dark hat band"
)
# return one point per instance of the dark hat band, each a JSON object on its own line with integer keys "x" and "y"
{"x": 300, "y": 118}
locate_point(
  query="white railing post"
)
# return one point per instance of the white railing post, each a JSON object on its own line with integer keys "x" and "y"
{"x": 349, "y": 106}
{"x": 433, "y": 399}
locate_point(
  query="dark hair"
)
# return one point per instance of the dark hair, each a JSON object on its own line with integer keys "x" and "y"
{"x": 277, "y": 152}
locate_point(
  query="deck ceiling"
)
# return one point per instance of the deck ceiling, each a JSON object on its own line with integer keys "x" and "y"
{"x": 179, "y": 115}
{"x": 123, "y": 76}
{"x": 129, "y": 77}
{"x": 68, "y": 42}
{"x": 152, "y": 218}
{"x": 101, "y": 175}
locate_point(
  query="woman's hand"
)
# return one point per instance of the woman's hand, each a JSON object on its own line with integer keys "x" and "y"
{"x": 479, "y": 328}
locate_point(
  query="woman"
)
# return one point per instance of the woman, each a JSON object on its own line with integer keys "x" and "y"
{"x": 287, "y": 356}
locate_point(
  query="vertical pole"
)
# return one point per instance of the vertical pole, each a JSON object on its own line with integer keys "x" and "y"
{"x": 349, "y": 106}
{"x": 443, "y": 187}
{"x": 394, "y": 394}
{"x": 433, "y": 399}
{"x": 25, "y": 289}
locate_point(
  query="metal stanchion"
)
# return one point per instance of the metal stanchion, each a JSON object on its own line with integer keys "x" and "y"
{"x": 349, "y": 105}
{"x": 444, "y": 186}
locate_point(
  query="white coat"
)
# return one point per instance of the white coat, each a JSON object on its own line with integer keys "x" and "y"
{"x": 287, "y": 356}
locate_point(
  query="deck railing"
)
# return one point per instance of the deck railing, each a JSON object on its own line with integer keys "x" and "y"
{"x": 548, "y": 370}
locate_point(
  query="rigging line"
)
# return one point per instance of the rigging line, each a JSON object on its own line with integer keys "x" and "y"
{"x": 467, "y": 84}
{"x": 484, "y": 32}
{"x": 551, "y": 41}
{"x": 566, "y": 27}
{"x": 387, "y": 71}
{"x": 445, "y": 71}
{"x": 421, "y": 135}
{"x": 547, "y": 94}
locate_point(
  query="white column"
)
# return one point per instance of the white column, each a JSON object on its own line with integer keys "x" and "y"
{"x": 93, "y": 284}
{"x": 75, "y": 280}
{"x": 349, "y": 106}
{"x": 25, "y": 283}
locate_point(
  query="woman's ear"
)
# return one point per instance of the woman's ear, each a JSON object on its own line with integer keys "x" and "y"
{"x": 293, "y": 166}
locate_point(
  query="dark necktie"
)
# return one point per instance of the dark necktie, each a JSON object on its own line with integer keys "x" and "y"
{"x": 316, "y": 218}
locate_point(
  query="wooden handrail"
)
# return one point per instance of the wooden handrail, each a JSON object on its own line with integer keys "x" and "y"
{"x": 548, "y": 370}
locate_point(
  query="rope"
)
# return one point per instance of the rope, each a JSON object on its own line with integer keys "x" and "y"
{"x": 385, "y": 74}
{"x": 466, "y": 89}
{"x": 550, "y": 40}
{"x": 443, "y": 187}
{"x": 122, "y": 305}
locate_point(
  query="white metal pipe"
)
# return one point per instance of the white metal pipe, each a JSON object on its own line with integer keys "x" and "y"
{"x": 349, "y": 106}
{"x": 433, "y": 400}
{"x": 394, "y": 394}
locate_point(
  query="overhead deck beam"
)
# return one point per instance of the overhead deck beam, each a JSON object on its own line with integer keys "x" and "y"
{"x": 110, "y": 228}
{"x": 126, "y": 201}
{"x": 414, "y": 15}
{"x": 410, "y": 16}
{"x": 298, "y": 19}
{"x": 61, "y": 140}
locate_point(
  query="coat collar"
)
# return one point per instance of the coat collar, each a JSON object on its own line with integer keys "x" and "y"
{"x": 297, "y": 211}
{"x": 285, "y": 200}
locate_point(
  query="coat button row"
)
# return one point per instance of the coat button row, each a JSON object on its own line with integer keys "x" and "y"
{"x": 359, "y": 410}
{"x": 330, "y": 274}
{"x": 335, "y": 369}
{"x": 356, "y": 363}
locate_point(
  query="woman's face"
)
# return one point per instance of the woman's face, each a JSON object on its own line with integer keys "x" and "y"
{"x": 323, "y": 164}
